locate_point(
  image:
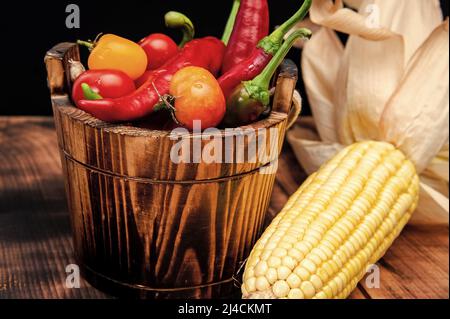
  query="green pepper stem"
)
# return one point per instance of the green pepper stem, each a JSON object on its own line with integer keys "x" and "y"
{"x": 258, "y": 87}
{"x": 231, "y": 21}
{"x": 263, "y": 79}
{"x": 177, "y": 20}
{"x": 87, "y": 44}
{"x": 90, "y": 44}
{"x": 89, "y": 93}
{"x": 272, "y": 43}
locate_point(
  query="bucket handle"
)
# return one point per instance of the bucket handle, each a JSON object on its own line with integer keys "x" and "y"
{"x": 59, "y": 62}
{"x": 286, "y": 99}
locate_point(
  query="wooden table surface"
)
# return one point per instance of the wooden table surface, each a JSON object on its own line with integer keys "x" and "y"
{"x": 35, "y": 236}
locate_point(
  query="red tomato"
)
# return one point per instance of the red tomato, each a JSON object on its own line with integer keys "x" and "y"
{"x": 159, "y": 49}
{"x": 198, "y": 96}
{"x": 108, "y": 83}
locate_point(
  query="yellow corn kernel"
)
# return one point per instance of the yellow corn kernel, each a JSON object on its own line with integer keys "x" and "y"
{"x": 321, "y": 295}
{"x": 308, "y": 289}
{"x": 262, "y": 283}
{"x": 274, "y": 262}
{"x": 315, "y": 258}
{"x": 293, "y": 281}
{"x": 317, "y": 282}
{"x": 272, "y": 275}
{"x": 266, "y": 255}
{"x": 289, "y": 262}
{"x": 283, "y": 272}
{"x": 261, "y": 268}
{"x": 302, "y": 273}
{"x": 296, "y": 254}
{"x": 279, "y": 252}
{"x": 308, "y": 265}
{"x": 296, "y": 294}
{"x": 319, "y": 253}
{"x": 281, "y": 289}
{"x": 250, "y": 284}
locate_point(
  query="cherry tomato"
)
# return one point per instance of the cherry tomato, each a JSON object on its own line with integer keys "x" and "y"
{"x": 198, "y": 96}
{"x": 159, "y": 49}
{"x": 107, "y": 83}
{"x": 116, "y": 53}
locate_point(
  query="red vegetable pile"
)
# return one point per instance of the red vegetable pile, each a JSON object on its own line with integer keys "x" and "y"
{"x": 217, "y": 82}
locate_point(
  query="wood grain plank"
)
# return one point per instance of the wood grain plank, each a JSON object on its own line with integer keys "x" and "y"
{"x": 359, "y": 293}
{"x": 35, "y": 236}
{"x": 416, "y": 266}
{"x": 289, "y": 177}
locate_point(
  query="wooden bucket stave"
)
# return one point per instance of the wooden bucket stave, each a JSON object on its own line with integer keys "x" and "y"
{"x": 147, "y": 227}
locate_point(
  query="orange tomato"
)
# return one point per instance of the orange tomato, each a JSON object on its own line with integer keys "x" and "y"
{"x": 198, "y": 97}
{"x": 117, "y": 53}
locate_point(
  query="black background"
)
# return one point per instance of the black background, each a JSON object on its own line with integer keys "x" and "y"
{"x": 29, "y": 29}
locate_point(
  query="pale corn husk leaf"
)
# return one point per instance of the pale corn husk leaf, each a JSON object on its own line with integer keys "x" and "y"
{"x": 381, "y": 19}
{"x": 373, "y": 76}
{"x": 434, "y": 204}
{"x": 309, "y": 150}
{"x": 320, "y": 79}
{"x": 342, "y": 123}
{"x": 335, "y": 16}
{"x": 314, "y": 154}
{"x": 416, "y": 117}
{"x": 355, "y": 4}
{"x": 438, "y": 169}
{"x": 366, "y": 78}
{"x": 413, "y": 19}
{"x": 370, "y": 77}
{"x": 377, "y": 67}
{"x": 433, "y": 208}
{"x": 435, "y": 182}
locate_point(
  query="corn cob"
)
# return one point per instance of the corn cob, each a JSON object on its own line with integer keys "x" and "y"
{"x": 340, "y": 221}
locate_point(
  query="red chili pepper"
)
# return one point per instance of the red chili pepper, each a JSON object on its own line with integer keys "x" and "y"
{"x": 141, "y": 81}
{"x": 207, "y": 53}
{"x": 258, "y": 60}
{"x": 252, "y": 24}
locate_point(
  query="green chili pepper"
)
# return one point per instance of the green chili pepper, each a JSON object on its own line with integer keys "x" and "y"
{"x": 252, "y": 98}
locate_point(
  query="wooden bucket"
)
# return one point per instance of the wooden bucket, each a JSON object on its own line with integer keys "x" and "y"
{"x": 148, "y": 228}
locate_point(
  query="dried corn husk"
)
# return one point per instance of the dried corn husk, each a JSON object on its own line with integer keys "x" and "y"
{"x": 322, "y": 79}
{"x": 421, "y": 104}
{"x": 389, "y": 82}
{"x": 355, "y": 4}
